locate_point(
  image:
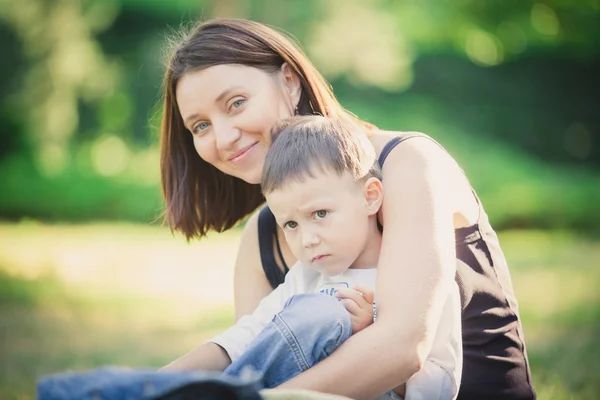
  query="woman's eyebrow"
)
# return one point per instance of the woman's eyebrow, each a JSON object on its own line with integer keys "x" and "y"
{"x": 226, "y": 92}
{"x": 189, "y": 119}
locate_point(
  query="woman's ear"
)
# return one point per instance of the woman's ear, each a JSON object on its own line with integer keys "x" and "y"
{"x": 292, "y": 84}
{"x": 373, "y": 192}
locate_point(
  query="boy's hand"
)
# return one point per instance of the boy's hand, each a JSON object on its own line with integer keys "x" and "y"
{"x": 358, "y": 300}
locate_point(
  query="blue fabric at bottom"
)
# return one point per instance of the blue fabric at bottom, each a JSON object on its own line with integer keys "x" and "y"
{"x": 114, "y": 383}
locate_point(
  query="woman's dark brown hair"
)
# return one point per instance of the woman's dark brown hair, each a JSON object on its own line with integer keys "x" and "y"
{"x": 198, "y": 196}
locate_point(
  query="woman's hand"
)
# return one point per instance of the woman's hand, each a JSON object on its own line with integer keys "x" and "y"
{"x": 358, "y": 300}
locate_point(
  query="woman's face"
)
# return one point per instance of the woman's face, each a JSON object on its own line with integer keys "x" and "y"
{"x": 230, "y": 110}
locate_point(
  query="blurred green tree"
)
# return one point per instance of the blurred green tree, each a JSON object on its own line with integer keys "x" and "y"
{"x": 80, "y": 85}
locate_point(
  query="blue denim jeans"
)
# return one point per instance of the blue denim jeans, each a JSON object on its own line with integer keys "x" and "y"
{"x": 308, "y": 329}
{"x": 115, "y": 383}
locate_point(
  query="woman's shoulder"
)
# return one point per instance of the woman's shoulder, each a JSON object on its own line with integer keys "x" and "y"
{"x": 420, "y": 150}
{"x": 436, "y": 171}
{"x": 380, "y": 138}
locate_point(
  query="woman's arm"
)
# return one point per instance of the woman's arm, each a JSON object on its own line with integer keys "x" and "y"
{"x": 249, "y": 280}
{"x": 417, "y": 260}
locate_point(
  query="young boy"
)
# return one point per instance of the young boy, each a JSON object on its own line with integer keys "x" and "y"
{"x": 322, "y": 182}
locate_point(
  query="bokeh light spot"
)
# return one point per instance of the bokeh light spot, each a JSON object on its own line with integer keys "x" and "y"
{"x": 144, "y": 166}
{"x": 544, "y": 19}
{"x": 110, "y": 156}
{"x": 52, "y": 159}
{"x": 483, "y": 48}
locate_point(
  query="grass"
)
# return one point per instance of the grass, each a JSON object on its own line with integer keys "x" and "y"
{"x": 556, "y": 279}
{"x": 75, "y": 297}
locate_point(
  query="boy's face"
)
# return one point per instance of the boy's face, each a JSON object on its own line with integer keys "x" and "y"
{"x": 326, "y": 220}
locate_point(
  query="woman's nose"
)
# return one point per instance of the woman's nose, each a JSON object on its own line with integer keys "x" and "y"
{"x": 226, "y": 136}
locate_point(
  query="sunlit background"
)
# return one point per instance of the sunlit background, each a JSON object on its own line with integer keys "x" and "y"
{"x": 89, "y": 277}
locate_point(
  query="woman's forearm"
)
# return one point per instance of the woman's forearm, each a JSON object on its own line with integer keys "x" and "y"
{"x": 208, "y": 357}
{"x": 357, "y": 369}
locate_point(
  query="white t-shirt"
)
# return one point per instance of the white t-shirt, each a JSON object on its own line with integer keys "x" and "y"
{"x": 443, "y": 366}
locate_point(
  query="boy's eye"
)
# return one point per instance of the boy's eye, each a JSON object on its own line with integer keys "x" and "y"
{"x": 321, "y": 214}
{"x": 291, "y": 225}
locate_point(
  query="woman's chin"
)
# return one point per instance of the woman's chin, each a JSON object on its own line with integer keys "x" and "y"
{"x": 250, "y": 173}
{"x": 251, "y": 178}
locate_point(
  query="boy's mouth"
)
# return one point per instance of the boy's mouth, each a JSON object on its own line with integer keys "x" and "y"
{"x": 318, "y": 258}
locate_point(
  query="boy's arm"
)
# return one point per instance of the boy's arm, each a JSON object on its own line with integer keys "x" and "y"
{"x": 225, "y": 348}
{"x": 209, "y": 357}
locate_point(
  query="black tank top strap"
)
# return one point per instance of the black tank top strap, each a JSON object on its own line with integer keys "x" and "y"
{"x": 267, "y": 233}
{"x": 389, "y": 146}
{"x": 280, "y": 253}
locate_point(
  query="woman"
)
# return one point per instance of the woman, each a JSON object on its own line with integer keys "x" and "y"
{"x": 226, "y": 85}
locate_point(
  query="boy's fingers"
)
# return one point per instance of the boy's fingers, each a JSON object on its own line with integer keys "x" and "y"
{"x": 367, "y": 293}
{"x": 348, "y": 293}
{"x": 351, "y": 306}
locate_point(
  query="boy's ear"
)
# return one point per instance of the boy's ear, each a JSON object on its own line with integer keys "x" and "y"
{"x": 373, "y": 191}
{"x": 292, "y": 83}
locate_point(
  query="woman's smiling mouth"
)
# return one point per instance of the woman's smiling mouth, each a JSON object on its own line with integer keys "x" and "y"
{"x": 241, "y": 155}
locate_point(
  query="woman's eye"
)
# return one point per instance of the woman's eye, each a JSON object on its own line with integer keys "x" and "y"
{"x": 321, "y": 214}
{"x": 200, "y": 127}
{"x": 237, "y": 104}
{"x": 291, "y": 225}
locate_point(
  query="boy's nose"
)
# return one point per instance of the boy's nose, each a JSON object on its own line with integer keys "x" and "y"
{"x": 310, "y": 239}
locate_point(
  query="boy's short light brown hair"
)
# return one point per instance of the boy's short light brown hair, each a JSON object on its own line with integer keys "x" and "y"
{"x": 306, "y": 144}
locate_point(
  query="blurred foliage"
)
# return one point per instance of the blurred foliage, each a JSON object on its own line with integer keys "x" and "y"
{"x": 509, "y": 87}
